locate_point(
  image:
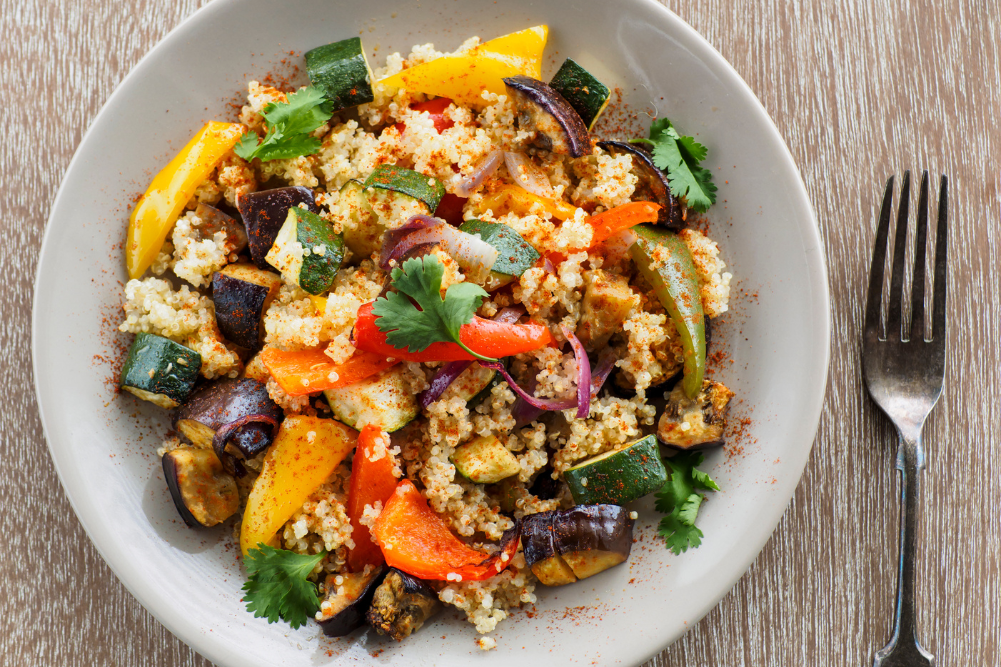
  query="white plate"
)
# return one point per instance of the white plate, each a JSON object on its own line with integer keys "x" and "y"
{"x": 104, "y": 447}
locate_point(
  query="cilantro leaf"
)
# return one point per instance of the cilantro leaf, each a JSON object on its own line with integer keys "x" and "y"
{"x": 433, "y": 319}
{"x": 277, "y": 587}
{"x": 288, "y": 127}
{"x": 679, "y": 156}
{"x": 680, "y": 501}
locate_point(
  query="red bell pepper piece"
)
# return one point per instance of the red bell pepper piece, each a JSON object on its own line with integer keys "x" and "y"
{"x": 450, "y": 208}
{"x": 371, "y": 482}
{"x": 413, "y": 538}
{"x": 309, "y": 371}
{"x": 486, "y": 337}
{"x": 436, "y": 109}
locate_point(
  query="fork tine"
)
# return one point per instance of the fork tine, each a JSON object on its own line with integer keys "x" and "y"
{"x": 918, "y": 283}
{"x": 893, "y": 316}
{"x": 875, "y": 295}
{"x": 941, "y": 255}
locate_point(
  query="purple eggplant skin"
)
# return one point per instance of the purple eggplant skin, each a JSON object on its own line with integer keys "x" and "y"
{"x": 223, "y": 402}
{"x": 241, "y": 294}
{"x": 558, "y": 126}
{"x": 401, "y": 605}
{"x": 204, "y": 494}
{"x": 347, "y": 610}
{"x": 563, "y": 546}
{"x": 705, "y": 416}
{"x": 264, "y": 214}
{"x": 654, "y": 181}
{"x": 214, "y": 221}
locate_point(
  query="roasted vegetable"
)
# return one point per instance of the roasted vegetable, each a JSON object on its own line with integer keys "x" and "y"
{"x": 401, "y": 605}
{"x": 384, "y": 400}
{"x": 606, "y": 304}
{"x": 303, "y": 372}
{"x": 619, "y": 476}
{"x": 346, "y": 604}
{"x": 582, "y": 90}
{"x": 389, "y": 183}
{"x": 653, "y": 184}
{"x": 666, "y": 263}
{"x": 515, "y": 254}
{"x": 171, "y": 189}
{"x": 215, "y": 221}
{"x": 341, "y": 71}
{"x": 205, "y": 495}
{"x": 159, "y": 370}
{"x": 485, "y": 460}
{"x": 265, "y": 212}
{"x": 307, "y": 251}
{"x": 417, "y": 540}
{"x": 235, "y": 417}
{"x": 464, "y": 77}
{"x": 562, "y": 546}
{"x": 516, "y": 199}
{"x": 362, "y": 228}
{"x": 305, "y": 452}
{"x": 372, "y": 481}
{"x": 557, "y": 126}
{"x": 242, "y": 294}
{"x": 695, "y": 423}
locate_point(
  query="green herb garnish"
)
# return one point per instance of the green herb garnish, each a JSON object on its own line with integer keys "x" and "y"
{"x": 437, "y": 320}
{"x": 288, "y": 127}
{"x": 680, "y": 501}
{"x": 680, "y": 156}
{"x": 277, "y": 587}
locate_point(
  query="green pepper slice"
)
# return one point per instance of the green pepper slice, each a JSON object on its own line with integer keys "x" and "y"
{"x": 664, "y": 260}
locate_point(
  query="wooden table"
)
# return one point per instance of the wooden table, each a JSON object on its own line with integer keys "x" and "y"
{"x": 859, "y": 90}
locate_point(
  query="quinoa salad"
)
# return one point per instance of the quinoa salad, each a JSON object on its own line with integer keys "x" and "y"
{"x": 425, "y": 337}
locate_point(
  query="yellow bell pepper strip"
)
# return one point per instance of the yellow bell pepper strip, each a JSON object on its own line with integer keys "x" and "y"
{"x": 171, "y": 189}
{"x": 516, "y": 199}
{"x": 303, "y": 372}
{"x": 666, "y": 263}
{"x": 464, "y": 77}
{"x": 413, "y": 538}
{"x": 304, "y": 453}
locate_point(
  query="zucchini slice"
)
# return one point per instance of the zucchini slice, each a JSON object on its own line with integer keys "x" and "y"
{"x": 406, "y": 183}
{"x": 307, "y": 251}
{"x": 362, "y": 229}
{"x": 586, "y": 94}
{"x": 159, "y": 370}
{"x": 515, "y": 255}
{"x": 385, "y": 400}
{"x": 618, "y": 477}
{"x": 341, "y": 71}
{"x": 485, "y": 460}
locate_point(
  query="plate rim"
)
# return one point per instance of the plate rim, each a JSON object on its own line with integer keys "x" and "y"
{"x": 817, "y": 268}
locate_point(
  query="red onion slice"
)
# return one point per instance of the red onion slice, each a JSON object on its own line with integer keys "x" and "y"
{"x": 392, "y": 238}
{"x": 525, "y": 413}
{"x": 528, "y": 176}
{"x": 474, "y": 255}
{"x": 583, "y": 373}
{"x": 484, "y": 170}
{"x": 448, "y": 373}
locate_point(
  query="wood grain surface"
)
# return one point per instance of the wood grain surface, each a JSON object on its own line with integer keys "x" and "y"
{"x": 859, "y": 90}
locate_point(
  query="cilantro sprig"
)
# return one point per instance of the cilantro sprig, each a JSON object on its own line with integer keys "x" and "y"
{"x": 680, "y": 156}
{"x": 433, "y": 319}
{"x": 680, "y": 501}
{"x": 277, "y": 587}
{"x": 288, "y": 127}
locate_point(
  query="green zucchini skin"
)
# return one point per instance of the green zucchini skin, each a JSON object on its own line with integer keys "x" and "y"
{"x": 427, "y": 189}
{"x": 318, "y": 271}
{"x": 515, "y": 254}
{"x": 159, "y": 370}
{"x": 619, "y": 477}
{"x": 341, "y": 71}
{"x": 582, "y": 90}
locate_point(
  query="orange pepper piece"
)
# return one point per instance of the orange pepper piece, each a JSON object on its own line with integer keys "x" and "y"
{"x": 171, "y": 189}
{"x": 309, "y": 371}
{"x": 614, "y": 220}
{"x": 371, "y": 482}
{"x": 413, "y": 538}
{"x": 516, "y": 199}
{"x": 486, "y": 337}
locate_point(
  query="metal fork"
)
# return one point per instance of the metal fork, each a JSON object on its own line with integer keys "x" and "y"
{"x": 904, "y": 374}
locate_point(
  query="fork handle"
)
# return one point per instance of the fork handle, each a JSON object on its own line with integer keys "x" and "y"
{"x": 910, "y": 463}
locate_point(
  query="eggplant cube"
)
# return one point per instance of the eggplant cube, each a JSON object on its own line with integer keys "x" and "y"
{"x": 563, "y": 546}
{"x": 265, "y": 212}
{"x": 557, "y": 125}
{"x": 242, "y": 294}
{"x": 689, "y": 424}
{"x": 401, "y": 605}
{"x": 345, "y": 605}
{"x": 202, "y": 491}
{"x": 215, "y": 221}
